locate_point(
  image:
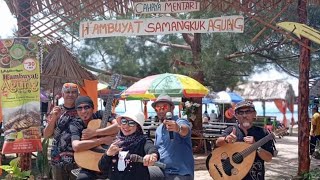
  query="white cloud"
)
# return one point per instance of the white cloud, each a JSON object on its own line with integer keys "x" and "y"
{"x": 8, "y": 21}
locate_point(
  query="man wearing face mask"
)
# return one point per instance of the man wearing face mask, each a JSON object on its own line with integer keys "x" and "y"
{"x": 246, "y": 132}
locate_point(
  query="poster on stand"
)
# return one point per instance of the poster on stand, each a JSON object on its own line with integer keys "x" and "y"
{"x": 20, "y": 95}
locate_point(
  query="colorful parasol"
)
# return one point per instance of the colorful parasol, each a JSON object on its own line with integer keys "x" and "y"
{"x": 175, "y": 85}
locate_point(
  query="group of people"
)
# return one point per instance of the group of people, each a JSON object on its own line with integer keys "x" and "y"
{"x": 67, "y": 124}
{"x": 212, "y": 117}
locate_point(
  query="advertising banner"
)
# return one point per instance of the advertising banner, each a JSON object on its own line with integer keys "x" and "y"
{"x": 157, "y": 26}
{"x": 20, "y": 95}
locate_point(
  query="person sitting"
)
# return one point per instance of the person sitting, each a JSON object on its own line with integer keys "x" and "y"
{"x": 205, "y": 120}
{"x": 213, "y": 116}
{"x": 205, "y": 114}
{"x": 83, "y": 138}
{"x": 130, "y": 140}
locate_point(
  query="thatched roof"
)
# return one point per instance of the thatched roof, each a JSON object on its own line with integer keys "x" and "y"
{"x": 315, "y": 88}
{"x": 266, "y": 90}
{"x": 60, "y": 66}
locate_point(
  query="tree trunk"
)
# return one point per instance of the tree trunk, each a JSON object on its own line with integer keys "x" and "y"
{"x": 24, "y": 30}
{"x": 303, "y": 122}
{"x": 197, "y": 75}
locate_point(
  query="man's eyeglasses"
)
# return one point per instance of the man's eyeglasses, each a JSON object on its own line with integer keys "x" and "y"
{"x": 249, "y": 111}
{"x": 130, "y": 123}
{"x": 163, "y": 108}
{"x": 86, "y": 107}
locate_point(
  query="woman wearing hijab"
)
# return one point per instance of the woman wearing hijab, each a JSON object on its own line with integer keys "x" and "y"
{"x": 130, "y": 140}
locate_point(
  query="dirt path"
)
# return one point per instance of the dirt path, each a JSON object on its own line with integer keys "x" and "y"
{"x": 284, "y": 166}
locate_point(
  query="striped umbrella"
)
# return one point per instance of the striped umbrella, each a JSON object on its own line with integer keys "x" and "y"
{"x": 175, "y": 85}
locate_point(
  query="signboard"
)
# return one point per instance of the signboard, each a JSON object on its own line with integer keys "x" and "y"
{"x": 153, "y": 26}
{"x": 165, "y": 7}
{"x": 20, "y": 95}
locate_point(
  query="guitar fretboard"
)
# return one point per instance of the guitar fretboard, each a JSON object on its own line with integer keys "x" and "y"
{"x": 256, "y": 145}
{"x": 114, "y": 82}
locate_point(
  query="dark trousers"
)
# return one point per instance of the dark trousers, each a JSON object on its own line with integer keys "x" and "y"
{"x": 63, "y": 172}
{"x": 313, "y": 143}
{"x": 86, "y": 174}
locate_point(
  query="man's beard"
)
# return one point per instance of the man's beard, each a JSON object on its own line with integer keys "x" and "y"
{"x": 246, "y": 124}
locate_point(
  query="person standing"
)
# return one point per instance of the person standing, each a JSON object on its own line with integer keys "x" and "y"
{"x": 130, "y": 140}
{"x": 83, "y": 138}
{"x": 315, "y": 129}
{"x": 173, "y": 140}
{"x": 246, "y": 132}
{"x": 62, "y": 160}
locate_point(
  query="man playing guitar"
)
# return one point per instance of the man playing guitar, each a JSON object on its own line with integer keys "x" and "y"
{"x": 245, "y": 132}
{"x": 84, "y": 139}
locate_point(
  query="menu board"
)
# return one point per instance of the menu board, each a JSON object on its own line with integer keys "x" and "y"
{"x": 20, "y": 95}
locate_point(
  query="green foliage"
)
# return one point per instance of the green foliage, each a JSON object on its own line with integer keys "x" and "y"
{"x": 13, "y": 170}
{"x": 42, "y": 162}
{"x": 312, "y": 175}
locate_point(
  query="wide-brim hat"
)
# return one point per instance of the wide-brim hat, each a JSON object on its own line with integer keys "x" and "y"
{"x": 244, "y": 104}
{"x": 138, "y": 117}
{"x": 163, "y": 98}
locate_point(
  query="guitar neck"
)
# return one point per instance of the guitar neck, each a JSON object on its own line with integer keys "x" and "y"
{"x": 114, "y": 81}
{"x": 256, "y": 145}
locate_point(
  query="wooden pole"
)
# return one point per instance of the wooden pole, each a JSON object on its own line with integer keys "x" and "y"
{"x": 24, "y": 30}
{"x": 303, "y": 98}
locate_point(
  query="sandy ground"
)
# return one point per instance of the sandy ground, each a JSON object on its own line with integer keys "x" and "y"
{"x": 282, "y": 167}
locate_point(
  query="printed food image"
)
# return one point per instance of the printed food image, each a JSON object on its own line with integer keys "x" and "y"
{"x": 31, "y": 46}
{"x": 8, "y": 42}
{"x": 17, "y": 51}
{"x": 23, "y": 121}
{"x": 3, "y": 51}
{"x": 10, "y": 135}
{"x": 14, "y": 63}
{"x": 31, "y": 133}
{"x": 5, "y": 60}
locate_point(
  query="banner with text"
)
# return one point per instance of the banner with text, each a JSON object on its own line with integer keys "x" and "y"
{"x": 157, "y": 26}
{"x": 165, "y": 7}
{"x": 20, "y": 95}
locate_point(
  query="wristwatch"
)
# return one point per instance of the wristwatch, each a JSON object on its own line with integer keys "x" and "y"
{"x": 179, "y": 129}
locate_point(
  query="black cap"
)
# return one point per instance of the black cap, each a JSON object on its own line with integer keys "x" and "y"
{"x": 84, "y": 100}
{"x": 244, "y": 104}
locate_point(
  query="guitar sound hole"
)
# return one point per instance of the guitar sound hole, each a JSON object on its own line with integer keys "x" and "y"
{"x": 237, "y": 158}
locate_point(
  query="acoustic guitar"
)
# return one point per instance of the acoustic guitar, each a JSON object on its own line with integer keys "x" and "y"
{"x": 234, "y": 160}
{"x": 89, "y": 159}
